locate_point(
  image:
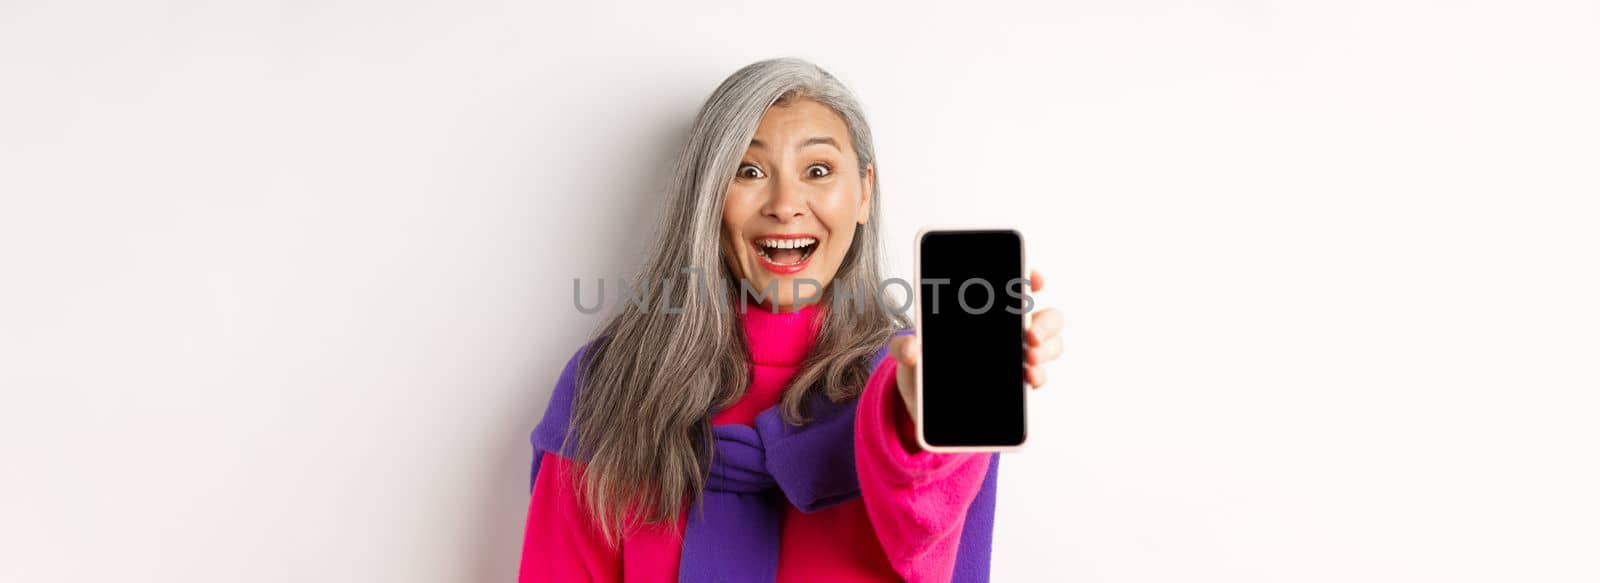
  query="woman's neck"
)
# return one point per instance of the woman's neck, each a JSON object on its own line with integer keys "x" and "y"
{"x": 772, "y": 308}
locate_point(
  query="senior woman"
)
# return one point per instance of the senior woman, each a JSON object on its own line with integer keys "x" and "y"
{"x": 706, "y": 437}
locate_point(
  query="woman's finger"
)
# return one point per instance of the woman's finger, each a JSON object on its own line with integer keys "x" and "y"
{"x": 1035, "y": 280}
{"x": 1036, "y": 376}
{"x": 1046, "y": 324}
{"x": 906, "y": 349}
{"x": 1046, "y": 352}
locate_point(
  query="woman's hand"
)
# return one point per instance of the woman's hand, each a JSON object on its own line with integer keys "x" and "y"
{"x": 1042, "y": 340}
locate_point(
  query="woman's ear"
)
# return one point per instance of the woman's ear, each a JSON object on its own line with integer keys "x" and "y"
{"x": 864, "y": 212}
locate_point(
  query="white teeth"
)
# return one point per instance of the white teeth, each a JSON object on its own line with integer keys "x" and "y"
{"x": 786, "y": 243}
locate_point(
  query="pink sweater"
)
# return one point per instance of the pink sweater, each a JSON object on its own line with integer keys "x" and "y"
{"x": 906, "y": 524}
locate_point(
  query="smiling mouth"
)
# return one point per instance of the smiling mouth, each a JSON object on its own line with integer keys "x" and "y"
{"x": 785, "y": 251}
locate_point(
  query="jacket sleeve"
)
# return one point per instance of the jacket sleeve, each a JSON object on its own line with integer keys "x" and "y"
{"x": 560, "y": 543}
{"x": 916, "y": 500}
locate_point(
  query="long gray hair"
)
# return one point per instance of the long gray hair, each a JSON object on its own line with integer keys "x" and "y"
{"x": 653, "y": 375}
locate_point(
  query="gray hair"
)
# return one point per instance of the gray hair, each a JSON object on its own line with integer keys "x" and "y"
{"x": 651, "y": 379}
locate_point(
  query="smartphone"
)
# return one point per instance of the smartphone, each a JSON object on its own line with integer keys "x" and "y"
{"x": 972, "y": 305}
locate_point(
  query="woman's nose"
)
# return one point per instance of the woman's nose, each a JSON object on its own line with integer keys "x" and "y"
{"x": 786, "y": 201}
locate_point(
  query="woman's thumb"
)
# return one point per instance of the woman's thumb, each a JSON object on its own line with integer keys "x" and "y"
{"x": 907, "y": 350}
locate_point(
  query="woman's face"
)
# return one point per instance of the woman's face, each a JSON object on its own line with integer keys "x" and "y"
{"x": 794, "y": 203}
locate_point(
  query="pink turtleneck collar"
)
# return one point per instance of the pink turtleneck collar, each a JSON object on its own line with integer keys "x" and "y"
{"x": 781, "y": 339}
{"x": 778, "y": 344}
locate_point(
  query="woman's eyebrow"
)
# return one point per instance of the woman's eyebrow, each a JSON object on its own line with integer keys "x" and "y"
{"x": 809, "y": 142}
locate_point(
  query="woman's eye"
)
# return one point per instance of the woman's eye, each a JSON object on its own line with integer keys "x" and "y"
{"x": 750, "y": 171}
{"x": 818, "y": 170}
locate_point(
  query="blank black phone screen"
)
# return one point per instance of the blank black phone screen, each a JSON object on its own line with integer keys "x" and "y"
{"x": 971, "y": 311}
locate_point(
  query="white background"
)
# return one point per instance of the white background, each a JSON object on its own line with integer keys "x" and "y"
{"x": 286, "y": 284}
